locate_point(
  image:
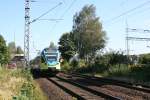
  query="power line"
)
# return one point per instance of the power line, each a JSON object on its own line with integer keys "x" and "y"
{"x": 129, "y": 11}
{"x": 51, "y": 19}
{"x": 138, "y": 38}
{"x": 61, "y": 17}
{"x": 46, "y": 12}
{"x": 135, "y": 38}
{"x": 33, "y": 1}
{"x": 72, "y": 3}
{"x": 130, "y": 15}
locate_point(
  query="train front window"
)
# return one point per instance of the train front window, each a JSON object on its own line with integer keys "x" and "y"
{"x": 51, "y": 58}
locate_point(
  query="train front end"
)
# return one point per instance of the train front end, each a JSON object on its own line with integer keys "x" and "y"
{"x": 51, "y": 58}
{"x": 53, "y": 61}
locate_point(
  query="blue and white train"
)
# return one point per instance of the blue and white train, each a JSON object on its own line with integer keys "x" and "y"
{"x": 51, "y": 58}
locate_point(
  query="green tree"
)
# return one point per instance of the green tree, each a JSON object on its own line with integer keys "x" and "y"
{"x": 19, "y": 50}
{"x": 87, "y": 32}
{"x": 12, "y": 48}
{"x": 113, "y": 58}
{"x": 66, "y": 46}
{"x": 4, "y": 54}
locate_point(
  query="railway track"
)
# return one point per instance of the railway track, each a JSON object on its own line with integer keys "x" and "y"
{"x": 134, "y": 86}
{"x": 79, "y": 91}
{"x": 117, "y": 90}
{"x": 85, "y": 87}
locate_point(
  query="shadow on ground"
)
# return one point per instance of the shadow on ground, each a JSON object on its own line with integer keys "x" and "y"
{"x": 43, "y": 73}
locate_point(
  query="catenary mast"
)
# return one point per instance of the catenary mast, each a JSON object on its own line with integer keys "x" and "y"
{"x": 27, "y": 32}
{"x": 27, "y": 28}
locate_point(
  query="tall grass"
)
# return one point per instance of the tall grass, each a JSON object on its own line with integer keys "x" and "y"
{"x": 18, "y": 84}
{"x": 132, "y": 73}
{"x": 118, "y": 70}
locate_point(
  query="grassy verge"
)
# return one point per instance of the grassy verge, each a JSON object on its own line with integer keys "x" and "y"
{"x": 135, "y": 74}
{"x": 18, "y": 84}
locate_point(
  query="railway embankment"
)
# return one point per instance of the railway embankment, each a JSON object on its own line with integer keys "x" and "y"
{"x": 18, "y": 84}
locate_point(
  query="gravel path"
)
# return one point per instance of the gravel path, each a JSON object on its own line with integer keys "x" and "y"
{"x": 52, "y": 91}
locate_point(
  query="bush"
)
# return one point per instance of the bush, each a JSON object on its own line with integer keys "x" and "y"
{"x": 74, "y": 64}
{"x": 116, "y": 64}
{"x": 65, "y": 66}
{"x": 144, "y": 59}
{"x": 82, "y": 63}
{"x": 119, "y": 70}
{"x": 43, "y": 66}
{"x": 140, "y": 73}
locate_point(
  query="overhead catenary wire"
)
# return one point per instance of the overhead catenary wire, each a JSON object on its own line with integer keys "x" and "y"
{"x": 61, "y": 17}
{"x": 128, "y": 16}
{"x": 38, "y": 18}
{"x": 33, "y": 1}
{"x": 51, "y": 19}
{"x": 69, "y": 7}
{"x": 45, "y": 13}
{"x": 45, "y": 1}
{"x": 128, "y": 11}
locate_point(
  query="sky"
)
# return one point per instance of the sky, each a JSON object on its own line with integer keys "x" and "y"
{"x": 45, "y": 31}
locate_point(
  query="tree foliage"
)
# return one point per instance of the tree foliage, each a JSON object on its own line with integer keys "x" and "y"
{"x": 112, "y": 58}
{"x": 19, "y": 50}
{"x": 144, "y": 59}
{"x": 66, "y": 46}
{"x": 36, "y": 60}
{"x": 12, "y": 47}
{"x": 4, "y": 54}
{"x": 87, "y": 32}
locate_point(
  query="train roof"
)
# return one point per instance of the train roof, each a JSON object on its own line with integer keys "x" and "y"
{"x": 50, "y": 50}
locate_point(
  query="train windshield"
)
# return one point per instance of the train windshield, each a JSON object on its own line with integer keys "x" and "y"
{"x": 48, "y": 53}
{"x": 51, "y": 58}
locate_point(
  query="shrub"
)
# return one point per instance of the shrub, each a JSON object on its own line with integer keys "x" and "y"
{"x": 140, "y": 73}
{"x": 144, "y": 59}
{"x": 65, "y": 66}
{"x": 74, "y": 64}
{"x": 119, "y": 70}
{"x": 43, "y": 66}
{"x": 82, "y": 63}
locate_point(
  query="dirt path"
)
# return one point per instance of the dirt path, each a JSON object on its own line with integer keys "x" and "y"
{"x": 52, "y": 91}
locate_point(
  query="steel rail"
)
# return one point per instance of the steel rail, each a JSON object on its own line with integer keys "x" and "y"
{"x": 133, "y": 86}
{"x": 101, "y": 94}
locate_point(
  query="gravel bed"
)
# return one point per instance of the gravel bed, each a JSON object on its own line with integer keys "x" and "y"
{"x": 52, "y": 91}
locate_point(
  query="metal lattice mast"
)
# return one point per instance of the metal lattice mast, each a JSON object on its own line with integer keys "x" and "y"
{"x": 27, "y": 28}
{"x": 27, "y": 32}
{"x": 127, "y": 42}
{"x": 135, "y": 38}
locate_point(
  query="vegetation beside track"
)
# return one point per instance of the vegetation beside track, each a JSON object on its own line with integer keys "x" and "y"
{"x": 114, "y": 65}
{"x": 82, "y": 51}
{"x": 136, "y": 74}
{"x": 17, "y": 84}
